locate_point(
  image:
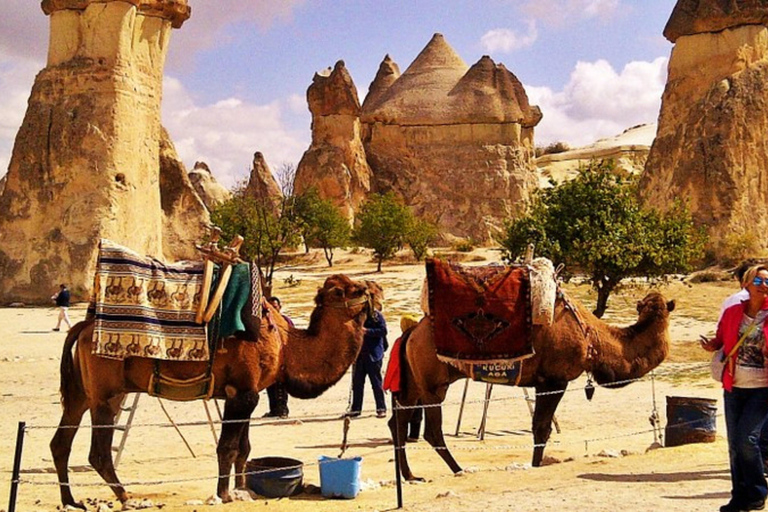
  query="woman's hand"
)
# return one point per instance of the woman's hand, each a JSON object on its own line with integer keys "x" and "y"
{"x": 710, "y": 345}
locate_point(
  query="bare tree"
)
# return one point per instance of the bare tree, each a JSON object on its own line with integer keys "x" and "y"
{"x": 286, "y": 176}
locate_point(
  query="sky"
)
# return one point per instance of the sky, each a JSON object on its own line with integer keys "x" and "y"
{"x": 238, "y": 70}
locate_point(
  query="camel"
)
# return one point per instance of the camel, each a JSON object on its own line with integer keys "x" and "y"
{"x": 574, "y": 343}
{"x": 308, "y": 361}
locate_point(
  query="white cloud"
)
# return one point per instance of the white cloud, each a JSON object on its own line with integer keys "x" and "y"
{"x": 599, "y": 102}
{"x": 227, "y": 133}
{"x": 505, "y": 40}
{"x": 560, "y": 12}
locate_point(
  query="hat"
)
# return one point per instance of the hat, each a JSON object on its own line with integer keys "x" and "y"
{"x": 408, "y": 321}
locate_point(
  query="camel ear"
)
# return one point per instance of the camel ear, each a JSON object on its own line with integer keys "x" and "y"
{"x": 671, "y": 306}
{"x": 639, "y": 306}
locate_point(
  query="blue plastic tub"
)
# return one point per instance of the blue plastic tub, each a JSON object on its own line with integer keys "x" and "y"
{"x": 275, "y": 477}
{"x": 339, "y": 478}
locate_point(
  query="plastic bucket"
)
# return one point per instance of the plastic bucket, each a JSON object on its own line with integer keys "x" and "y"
{"x": 339, "y": 478}
{"x": 690, "y": 420}
{"x": 275, "y": 477}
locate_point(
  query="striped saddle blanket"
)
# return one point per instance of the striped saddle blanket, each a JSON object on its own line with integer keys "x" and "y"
{"x": 145, "y": 308}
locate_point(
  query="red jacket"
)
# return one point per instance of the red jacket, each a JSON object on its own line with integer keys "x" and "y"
{"x": 728, "y": 335}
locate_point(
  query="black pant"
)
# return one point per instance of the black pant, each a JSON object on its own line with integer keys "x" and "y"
{"x": 278, "y": 400}
{"x": 372, "y": 369}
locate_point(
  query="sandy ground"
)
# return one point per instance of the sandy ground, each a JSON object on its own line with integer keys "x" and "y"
{"x": 601, "y": 448}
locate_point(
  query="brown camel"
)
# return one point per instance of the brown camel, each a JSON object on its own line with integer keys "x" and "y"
{"x": 564, "y": 350}
{"x": 308, "y": 361}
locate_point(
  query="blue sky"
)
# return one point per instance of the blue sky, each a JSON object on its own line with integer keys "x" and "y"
{"x": 238, "y": 70}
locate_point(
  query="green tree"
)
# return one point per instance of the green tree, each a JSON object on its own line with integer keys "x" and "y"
{"x": 595, "y": 224}
{"x": 322, "y": 224}
{"x": 266, "y": 230}
{"x": 381, "y": 225}
{"x": 419, "y": 235}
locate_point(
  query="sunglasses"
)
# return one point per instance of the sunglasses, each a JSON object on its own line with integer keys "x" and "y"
{"x": 760, "y": 280}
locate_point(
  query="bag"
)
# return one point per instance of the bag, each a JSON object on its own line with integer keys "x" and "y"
{"x": 717, "y": 365}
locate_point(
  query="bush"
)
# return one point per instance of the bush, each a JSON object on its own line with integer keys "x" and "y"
{"x": 735, "y": 248}
{"x": 555, "y": 147}
{"x": 467, "y": 245}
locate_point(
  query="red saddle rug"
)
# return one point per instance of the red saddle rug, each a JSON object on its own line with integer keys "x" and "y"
{"x": 480, "y": 314}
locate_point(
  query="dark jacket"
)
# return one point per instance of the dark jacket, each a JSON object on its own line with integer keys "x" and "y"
{"x": 375, "y": 337}
{"x": 62, "y": 298}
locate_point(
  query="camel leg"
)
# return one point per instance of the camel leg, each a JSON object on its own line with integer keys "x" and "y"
{"x": 61, "y": 444}
{"x": 244, "y": 449}
{"x": 398, "y": 427}
{"x": 238, "y": 407}
{"x": 433, "y": 434}
{"x": 100, "y": 456}
{"x": 546, "y": 404}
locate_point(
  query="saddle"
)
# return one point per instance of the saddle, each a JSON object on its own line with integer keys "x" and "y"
{"x": 482, "y": 317}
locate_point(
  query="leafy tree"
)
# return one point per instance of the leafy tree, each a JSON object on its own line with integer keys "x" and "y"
{"x": 596, "y": 224}
{"x": 419, "y": 235}
{"x": 267, "y": 232}
{"x": 381, "y": 225}
{"x": 322, "y": 224}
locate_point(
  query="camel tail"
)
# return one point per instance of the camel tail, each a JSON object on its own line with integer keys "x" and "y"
{"x": 70, "y": 379}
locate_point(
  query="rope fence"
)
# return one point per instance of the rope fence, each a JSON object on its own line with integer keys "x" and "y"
{"x": 297, "y": 420}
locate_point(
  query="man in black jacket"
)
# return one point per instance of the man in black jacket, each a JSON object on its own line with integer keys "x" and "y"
{"x": 62, "y": 301}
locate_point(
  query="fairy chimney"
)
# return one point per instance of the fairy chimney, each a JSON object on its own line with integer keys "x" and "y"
{"x": 456, "y": 142}
{"x": 711, "y": 146}
{"x": 335, "y": 162}
{"x": 262, "y": 185}
{"x": 210, "y": 191}
{"x": 86, "y": 161}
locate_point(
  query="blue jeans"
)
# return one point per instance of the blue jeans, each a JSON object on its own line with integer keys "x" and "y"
{"x": 372, "y": 369}
{"x": 745, "y": 412}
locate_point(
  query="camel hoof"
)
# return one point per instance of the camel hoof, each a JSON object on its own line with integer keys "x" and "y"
{"x": 75, "y": 506}
{"x": 415, "y": 479}
{"x": 224, "y": 497}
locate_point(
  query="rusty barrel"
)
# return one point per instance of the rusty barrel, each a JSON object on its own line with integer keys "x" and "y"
{"x": 690, "y": 420}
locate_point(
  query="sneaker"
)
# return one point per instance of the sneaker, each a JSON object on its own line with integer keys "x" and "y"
{"x": 280, "y": 415}
{"x": 381, "y": 414}
{"x": 351, "y": 414}
{"x": 731, "y": 507}
{"x": 56, "y": 329}
{"x": 412, "y": 440}
{"x": 755, "y": 505}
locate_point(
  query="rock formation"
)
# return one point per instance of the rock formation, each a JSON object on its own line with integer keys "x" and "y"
{"x": 262, "y": 184}
{"x": 712, "y": 141}
{"x": 185, "y": 216}
{"x": 2, "y": 183}
{"x": 210, "y": 191}
{"x": 629, "y": 152}
{"x": 335, "y": 162}
{"x": 86, "y": 161}
{"x": 456, "y": 142}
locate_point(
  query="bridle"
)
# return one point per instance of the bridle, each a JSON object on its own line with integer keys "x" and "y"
{"x": 366, "y": 299}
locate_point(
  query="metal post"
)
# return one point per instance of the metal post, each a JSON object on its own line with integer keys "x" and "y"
{"x": 481, "y": 430}
{"x": 398, "y": 480}
{"x": 16, "y": 466}
{"x": 461, "y": 407}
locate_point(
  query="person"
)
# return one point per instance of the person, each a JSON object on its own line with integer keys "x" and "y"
{"x": 392, "y": 378}
{"x": 276, "y": 393}
{"x": 369, "y": 362}
{"x": 62, "y": 302}
{"x": 741, "y": 333}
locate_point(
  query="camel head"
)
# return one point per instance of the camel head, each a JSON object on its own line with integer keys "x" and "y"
{"x": 341, "y": 293}
{"x": 653, "y": 307}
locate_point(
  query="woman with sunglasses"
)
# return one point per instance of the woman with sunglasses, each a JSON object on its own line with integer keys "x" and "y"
{"x": 742, "y": 334}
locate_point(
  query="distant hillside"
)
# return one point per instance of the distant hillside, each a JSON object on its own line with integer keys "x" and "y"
{"x": 629, "y": 150}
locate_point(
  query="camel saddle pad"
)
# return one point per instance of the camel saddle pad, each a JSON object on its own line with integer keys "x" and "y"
{"x": 480, "y": 314}
{"x": 145, "y": 308}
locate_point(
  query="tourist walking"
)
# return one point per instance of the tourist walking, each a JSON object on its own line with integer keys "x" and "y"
{"x": 62, "y": 302}
{"x": 368, "y": 364}
{"x": 276, "y": 393}
{"x": 741, "y": 333}
{"x": 392, "y": 378}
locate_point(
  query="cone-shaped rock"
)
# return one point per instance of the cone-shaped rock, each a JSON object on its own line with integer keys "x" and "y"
{"x": 262, "y": 185}
{"x": 456, "y": 143}
{"x": 698, "y": 16}
{"x": 210, "y": 191}
{"x": 711, "y": 147}
{"x": 388, "y": 72}
{"x": 86, "y": 160}
{"x": 335, "y": 162}
{"x": 2, "y": 183}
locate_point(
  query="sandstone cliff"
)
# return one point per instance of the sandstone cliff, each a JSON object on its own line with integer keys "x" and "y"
{"x": 456, "y": 142}
{"x": 712, "y": 146}
{"x": 210, "y": 191}
{"x": 2, "y": 183}
{"x": 628, "y": 150}
{"x": 86, "y": 159}
{"x": 262, "y": 185}
{"x": 335, "y": 162}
